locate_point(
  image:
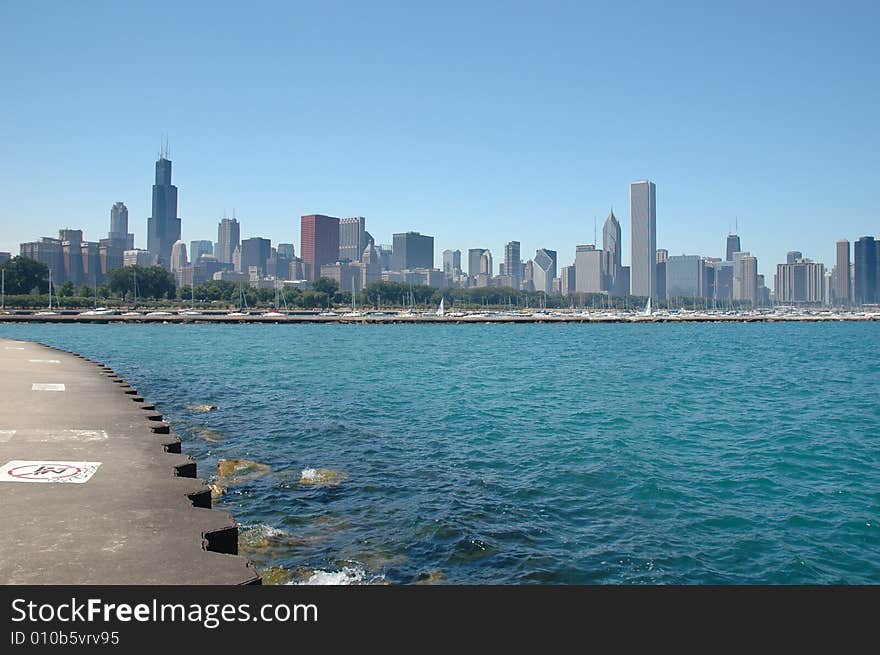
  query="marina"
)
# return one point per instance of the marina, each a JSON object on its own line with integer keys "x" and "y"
{"x": 444, "y": 317}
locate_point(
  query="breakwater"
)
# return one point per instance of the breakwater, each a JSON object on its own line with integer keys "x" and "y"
{"x": 93, "y": 486}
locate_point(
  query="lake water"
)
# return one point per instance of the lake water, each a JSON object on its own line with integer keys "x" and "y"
{"x": 561, "y": 454}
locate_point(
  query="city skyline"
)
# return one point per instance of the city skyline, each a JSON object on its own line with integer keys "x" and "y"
{"x": 229, "y": 230}
{"x": 335, "y": 247}
{"x": 747, "y": 114}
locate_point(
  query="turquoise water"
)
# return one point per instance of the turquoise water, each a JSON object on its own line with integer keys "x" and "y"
{"x": 651, "y": 453}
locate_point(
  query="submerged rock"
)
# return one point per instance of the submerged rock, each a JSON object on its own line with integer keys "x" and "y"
{"x": 321, "y": 476}
{"x": 239, "y": 471}
{"x": 431, "y": 577}
{"x": 208, "y": 434}
{"x": 263, "y": 542}
{"x": 202, "y": 408}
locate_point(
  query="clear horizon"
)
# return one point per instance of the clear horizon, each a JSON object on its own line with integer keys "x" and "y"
{"x": 477, "y": 125}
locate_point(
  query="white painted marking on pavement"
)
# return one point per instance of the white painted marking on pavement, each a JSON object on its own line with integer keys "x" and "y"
{"x": 45, "y": 361}
{"x": 30, "y": 435}
{"x": 86, "y": 435}
{"x": 13, "y": 348}
{"x": 45, "y": 471}
{"x": 47, "y": 386}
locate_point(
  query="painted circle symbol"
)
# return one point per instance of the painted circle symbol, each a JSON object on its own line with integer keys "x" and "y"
{"x": 51, "y": 472}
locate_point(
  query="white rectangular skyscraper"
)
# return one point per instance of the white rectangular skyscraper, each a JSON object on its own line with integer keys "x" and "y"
{"x": 643, "y": 226}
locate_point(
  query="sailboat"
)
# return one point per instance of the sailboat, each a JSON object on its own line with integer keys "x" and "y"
{"x": 648, "y": 311}
{"x": 354, "y": 310}
{"x": 192, "y": 307}
{"x": 410, "y": 305}
{"x": 275, "y": 313}
{"x": 242, "y": 302}
{"x": 441, "y": 310}
{"x": 49, "y": 312}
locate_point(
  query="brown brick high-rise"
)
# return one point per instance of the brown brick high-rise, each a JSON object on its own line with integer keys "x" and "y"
{"x": 319, "y": 242}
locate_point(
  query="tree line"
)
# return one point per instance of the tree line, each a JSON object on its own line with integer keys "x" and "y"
{"x": 27, "y": 285}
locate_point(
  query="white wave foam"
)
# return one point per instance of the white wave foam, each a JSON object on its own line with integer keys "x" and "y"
{"x": 261, "y": 530}
{"x": 348, "y": 575}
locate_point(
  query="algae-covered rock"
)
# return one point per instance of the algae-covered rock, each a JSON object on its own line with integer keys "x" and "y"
{"x": 203, "y": 409}
{"x": 276, "y": 575}
{"x": 216, "y": 491}
{"x": 321, "y": 476}
{"x": 239, "y": 471}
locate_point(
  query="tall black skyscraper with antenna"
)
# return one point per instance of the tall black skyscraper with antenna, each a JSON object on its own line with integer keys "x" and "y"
{"x": 163, "y": 227}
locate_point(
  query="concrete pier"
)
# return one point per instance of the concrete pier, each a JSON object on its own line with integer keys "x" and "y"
{"x": 98, "y": 492}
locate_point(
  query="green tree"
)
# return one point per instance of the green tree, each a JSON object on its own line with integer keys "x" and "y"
{"x": 327, "y": 286}
{"x": 24, "y": 276}
{"x": 67, "y": 289}
{"x": 152, "y": 282}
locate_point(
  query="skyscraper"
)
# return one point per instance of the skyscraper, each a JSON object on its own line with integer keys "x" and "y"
{"x": 588, "y": 267}
{"x": 568, "y": 283}
{"x": 119, "y": 227}
{"x": 199, "y": 248}
{"x": 660, "y": 273}
{"x": 800, "y": 281}
{"x": 611, "y": 246}
{"x": 792, "y": 256}
{"x": 544, "y": 270}
{"x": 71, "y": 248}
{"x": 163, "y": 227}
{"x": 745, "y": 277}
{"x": 319, "y": 242}
{"x": 412, "y": 250}
{"x": 474, "y": 257}
{"x": 228, "y": 239}
{"x": 352, "y": 238}
{"x": 643, "y": 220}
{"x": 286, "y": 250}
{"x": 255, "y": 251}
{"x": 684, "y": 276}
{"x": 486, "y": 266}
{"x": 513, "y": 263}
{"x": 47, "y": 251}
{"x": 841, "y": 281}
{"x": 733, "y": 245}
{"x": 866, "y": 265}
{"x": 178, "y": 256}
{"x": 451, "y": 262}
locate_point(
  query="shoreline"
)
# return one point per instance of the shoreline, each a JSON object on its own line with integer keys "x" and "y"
{"x": 477, "y": 318}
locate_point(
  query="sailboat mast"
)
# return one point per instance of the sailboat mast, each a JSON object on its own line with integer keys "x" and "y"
{"x": 50, "y": 289}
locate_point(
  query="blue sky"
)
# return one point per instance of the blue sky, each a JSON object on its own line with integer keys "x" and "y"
{"x": 476, "y": 122}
